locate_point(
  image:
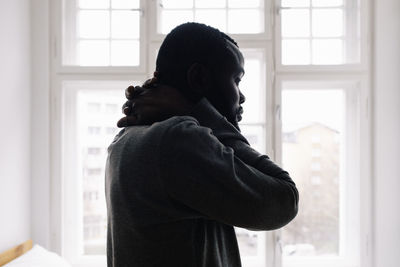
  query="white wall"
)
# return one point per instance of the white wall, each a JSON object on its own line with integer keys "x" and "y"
{"x": 15, "y": 122}
{"x": 386, "y": 131}
{"x": 40, "y": 170}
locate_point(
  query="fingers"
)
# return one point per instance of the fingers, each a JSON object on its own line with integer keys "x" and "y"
{"x": 133, "y": 91}
{"x": 150, "y": 83}
{"x": 129, "y": 92}
{"x": 128, "y": 121}
{"x": 127, "y": 107}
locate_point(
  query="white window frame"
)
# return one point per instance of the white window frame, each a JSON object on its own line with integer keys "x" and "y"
{"x": 352, "y": 206}
{"x": 266, "y": 35}
{"x": 276, "y": 73}
{"x": 67, "y": 13}
{"x": 362, "y": 66}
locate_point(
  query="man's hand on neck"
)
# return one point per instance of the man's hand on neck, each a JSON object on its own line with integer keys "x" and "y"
{"x": 152, "y": 103}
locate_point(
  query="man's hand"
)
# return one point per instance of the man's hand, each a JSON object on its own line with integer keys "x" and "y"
{"x": 151, "y": 103}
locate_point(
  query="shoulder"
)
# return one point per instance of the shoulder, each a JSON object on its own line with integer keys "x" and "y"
{"x": 183, "y": 127}
{"x": 177, "y": 121}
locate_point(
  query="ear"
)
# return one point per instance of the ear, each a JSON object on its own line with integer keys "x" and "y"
{"x": 198, "y": 78}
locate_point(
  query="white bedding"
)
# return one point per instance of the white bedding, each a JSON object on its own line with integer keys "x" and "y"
{"x": 38, "y": 257}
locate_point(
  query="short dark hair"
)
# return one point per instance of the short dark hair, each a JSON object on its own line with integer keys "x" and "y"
{"x": 187, "y": 44}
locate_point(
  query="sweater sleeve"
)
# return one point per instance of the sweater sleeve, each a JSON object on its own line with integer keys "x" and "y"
{"x": 209, "y": 167}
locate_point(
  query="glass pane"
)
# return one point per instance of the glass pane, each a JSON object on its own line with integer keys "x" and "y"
{"x": 172, "y": 18}
{"x": 92, "y": 147}
{"x": 244, "y": 4}
{"x": 327, "y": 51}
{"x": 247, "y": 241}
{"x": 323, "y": 3}
{"x": 295, "y": 3}
{"x": 98, "y": 4}
{"x": 94, "y": 24}
{"x": 295, "y": 23}
{"x": 214, "y": 18}
{"x": 295, "y": 52}
{"x": 176, "y": 4}
{"x": 255, "y": 136}
{"x": 327, "y": 22}
{"x": 251, "y": 86}
{"x": 94, "y": 53}
{"x": 254, "y": 21}
{"x": 125, "y": 53}
{"x": 125, "y": 4}
{"x": 125, "y": 24}
{"x": 210, "y": 3}
{"x": 313, "y": 120}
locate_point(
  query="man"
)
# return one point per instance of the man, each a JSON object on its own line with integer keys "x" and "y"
{"x": 182, "y": 177}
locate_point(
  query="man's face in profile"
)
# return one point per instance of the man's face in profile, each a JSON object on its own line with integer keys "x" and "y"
{"x": 225, "y": 94}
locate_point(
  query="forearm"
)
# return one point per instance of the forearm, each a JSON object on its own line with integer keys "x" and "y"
{"x": 281, "y": 188}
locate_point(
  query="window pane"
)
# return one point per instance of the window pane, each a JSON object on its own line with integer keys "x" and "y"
{"x": 295, "y": 3}
{"x": 172, "y": 18}
{"x": 214, "y": 18}
{"x": 125, "y": 4}
{"x": 96, "y": 21}
{"x": 125, "y": 53}
{"x": 98, "y": 4}
{"x": 92, "y": 147}
{"x": 94, "y": 53}
{"x": 327, "y": 51}
{"x": 326, "y": 3}
{"x": 247, "y": 241}
{"x": 296, "y": 23}
{"x": 254, "y": 21}
{"x": 255, "y": 136}
{"x": 210, "y": 3}
{"x": 295, "y": 52}
{"x": 312, "y": 120}
{"x": 125, "y": 24}
{"x": 327, "y": 22}
{"x": 244, "y": 4}
{"x": 93, "y": 107}
{"x": 176, "y": 3}
{"x": 94, "y": 24}
{"x": 216, "y": 14}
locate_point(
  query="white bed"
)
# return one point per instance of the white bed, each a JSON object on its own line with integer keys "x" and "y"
{"x": 26, "y": 255}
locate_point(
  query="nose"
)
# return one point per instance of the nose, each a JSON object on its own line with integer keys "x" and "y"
{"x": 242, "y": 98}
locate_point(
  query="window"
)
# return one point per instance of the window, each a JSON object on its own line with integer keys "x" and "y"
{"x": 306, "y": 92}
{"x": 102, "y": 33}
{"x": 319, "y": 32}
{"x": 94, "y": 150}
{"x": 320, "y": 115}
{"x": 315, "y": 231}
{"x": 111, "y": 130}
{"x": 226, "y": 15}
{"x": 112, "y": 108}
{"x": 316, "y": 152}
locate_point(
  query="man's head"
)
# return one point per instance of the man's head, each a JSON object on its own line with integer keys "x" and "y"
{"x": 201, "y": 61}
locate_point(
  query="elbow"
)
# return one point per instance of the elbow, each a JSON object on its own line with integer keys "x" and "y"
{"x": 281, "y": 211}
{"x": 293, "y": 204}
{"x": 288, "y": 207}
{"x": 292, "y": 209}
